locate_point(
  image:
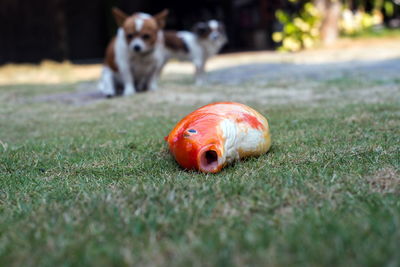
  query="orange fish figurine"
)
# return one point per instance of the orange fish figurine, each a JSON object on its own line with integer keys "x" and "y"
{"x": 213, "y": 136}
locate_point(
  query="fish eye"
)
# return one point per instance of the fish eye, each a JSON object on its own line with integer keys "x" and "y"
{"x": 146, "y": 36}
{"x": 188, "y": 133}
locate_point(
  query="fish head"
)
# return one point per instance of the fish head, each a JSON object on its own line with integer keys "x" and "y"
{"x": 198, "y": 145}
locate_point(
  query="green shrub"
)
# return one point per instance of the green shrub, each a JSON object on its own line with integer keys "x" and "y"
{"x": 299, "y": 30}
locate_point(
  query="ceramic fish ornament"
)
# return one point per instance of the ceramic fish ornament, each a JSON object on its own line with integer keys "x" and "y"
{"x": 213, "y": 136}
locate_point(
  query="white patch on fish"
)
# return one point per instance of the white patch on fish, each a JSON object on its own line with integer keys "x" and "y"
{"x": 240, "y": 138}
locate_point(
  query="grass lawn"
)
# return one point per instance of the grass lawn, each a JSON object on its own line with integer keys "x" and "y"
{"x": 94, "y": 184}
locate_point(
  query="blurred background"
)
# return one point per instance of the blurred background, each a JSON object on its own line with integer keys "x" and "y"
{"x": 32, "y": 31}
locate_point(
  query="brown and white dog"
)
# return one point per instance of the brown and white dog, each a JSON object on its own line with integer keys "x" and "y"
{"x": 204, "y": 41}
{"x": 135, "y": 56}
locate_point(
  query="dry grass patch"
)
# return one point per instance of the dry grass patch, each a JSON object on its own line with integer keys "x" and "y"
{"x": 385, "y": 181}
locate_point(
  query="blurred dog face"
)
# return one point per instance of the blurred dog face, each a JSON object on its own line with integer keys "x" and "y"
{"x": 211, "y": 30}
{"x": 141, "y": 29}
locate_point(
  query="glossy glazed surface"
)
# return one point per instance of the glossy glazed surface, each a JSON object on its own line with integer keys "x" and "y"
{"x": 214, "y": 135}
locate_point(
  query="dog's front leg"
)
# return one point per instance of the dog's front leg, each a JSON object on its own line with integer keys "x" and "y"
{"x": 153, "y": 81}
{"x": 128, "y": 80}
{"x": 107, "y": 83}
{"x": 122, "y": 58}
{"x": 199, "y": 74}
{"x": 129, "y": 89}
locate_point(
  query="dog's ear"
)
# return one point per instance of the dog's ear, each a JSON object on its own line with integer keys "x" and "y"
{"x": 161, "y": 18}
{"x": 200, "y": 28}
{"x": 119, "y": 16}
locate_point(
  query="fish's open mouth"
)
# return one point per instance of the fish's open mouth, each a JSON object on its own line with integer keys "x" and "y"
{"x": 208, "y": 161}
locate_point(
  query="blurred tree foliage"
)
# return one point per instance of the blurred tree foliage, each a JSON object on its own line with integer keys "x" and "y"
{"x": 300, "y": 30}
{"x": 320, "y": 21}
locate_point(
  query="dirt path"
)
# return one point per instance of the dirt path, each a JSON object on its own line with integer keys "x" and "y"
{"x": 272, "y": 77}
{"x": 272, "y": 83}
{"x": 296, "y": 83}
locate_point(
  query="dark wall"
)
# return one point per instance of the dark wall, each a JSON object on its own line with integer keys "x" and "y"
{"x": 33, "y": 30}
{"x": 29, "y": 33}
{"x": 86, "y": 28}
{"x": 52, "y": 29}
